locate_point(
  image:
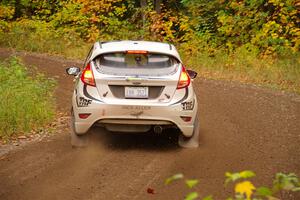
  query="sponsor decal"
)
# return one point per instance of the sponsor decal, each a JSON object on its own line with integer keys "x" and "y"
{"x": 184, "y": 98}
{"x": 136, "y": 114}
{"x": 83, "y": 102}
{"x": 105, "y": 94}
{"x": 85, "y": 92}
{"x": 188, "y": 105}
{"x": 136, "y": 107}
{"x": 133, "y": 79}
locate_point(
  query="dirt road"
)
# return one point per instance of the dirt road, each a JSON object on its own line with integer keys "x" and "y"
{"x": 242, "y": 127}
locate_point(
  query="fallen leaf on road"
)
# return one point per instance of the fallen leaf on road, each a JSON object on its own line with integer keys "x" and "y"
{"x": 150, "y": 191}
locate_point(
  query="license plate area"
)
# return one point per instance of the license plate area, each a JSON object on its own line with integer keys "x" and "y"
{"x": 136, "y": 92}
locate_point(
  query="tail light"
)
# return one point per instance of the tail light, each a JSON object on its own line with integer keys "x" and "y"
{"x": 184, "y": 79}
{"x": 84, "y": 115}
{"x": 87, "y": 76}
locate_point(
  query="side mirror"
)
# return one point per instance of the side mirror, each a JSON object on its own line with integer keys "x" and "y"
{"x": 73, "y": 71}
{"x": 192, "y": 73}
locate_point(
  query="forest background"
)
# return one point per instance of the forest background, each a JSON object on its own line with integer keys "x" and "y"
{"x": 252, "y": 41}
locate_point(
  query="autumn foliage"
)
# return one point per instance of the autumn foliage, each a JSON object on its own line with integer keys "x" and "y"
{"x": 254, "y": 41}
{"x": 266, "y": 26}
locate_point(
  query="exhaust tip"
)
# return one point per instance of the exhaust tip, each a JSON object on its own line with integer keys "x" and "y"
{"x": 157, "y": 129}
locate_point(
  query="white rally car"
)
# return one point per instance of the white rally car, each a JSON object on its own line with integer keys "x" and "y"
{"x": 134, "y": 86}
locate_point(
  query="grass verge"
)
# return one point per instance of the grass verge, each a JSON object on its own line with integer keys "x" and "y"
{"x": 26, "y": 101}
{"x": 274, "y": 72}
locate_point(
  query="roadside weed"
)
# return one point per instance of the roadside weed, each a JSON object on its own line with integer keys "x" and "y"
{"x": 27, "y": 100}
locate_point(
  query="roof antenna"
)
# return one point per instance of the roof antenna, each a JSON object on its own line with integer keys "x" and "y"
{"x": 100, "y": 44}
{"x": 170, "y": 46}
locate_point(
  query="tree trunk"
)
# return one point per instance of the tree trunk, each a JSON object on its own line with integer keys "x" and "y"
{"x": 18, "y": 12}
{"x": 158, "y": 6}
{"x": 143, "y": 7}
{"x": 143, "y": 3}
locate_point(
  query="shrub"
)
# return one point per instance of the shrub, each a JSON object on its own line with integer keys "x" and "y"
{"x": 41, "y": 36}
{"x": 26, "y": 101}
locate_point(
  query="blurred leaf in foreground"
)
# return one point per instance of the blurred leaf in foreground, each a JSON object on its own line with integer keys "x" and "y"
{"x": 232, "y": 177}
{"x": 191, "y": 182}
{"x": 208, "y": 198}
{"x": 191, "y": 196}
{"x": 264, "y": 191}
{"x": 245, "y": 188}
{"x": 173, "y": 178}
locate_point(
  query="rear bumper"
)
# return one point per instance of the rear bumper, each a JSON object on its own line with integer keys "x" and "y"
{"x": 131, "y": 114}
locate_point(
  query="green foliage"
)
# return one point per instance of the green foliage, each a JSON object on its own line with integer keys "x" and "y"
{"x": 286, "y": 182}
{"x": 210, "y": 197}
{"x": 244, "y": 65}
{"x": 203, "y": 15}
{"x": 264, "y": 191}
{"x": 26, "y": 101}
{"x": 191, "y": 183}
{"x": 271, "y": 25}
{"x": 173, "y": 178}
{"x": 232, "y": 177}
{"x": 191, "y": 196}
{"x": 254, "y": 41}
{"x": 244, "y": 189}
{"x": 40, "y": 36}
{"x": 6, "y": 12}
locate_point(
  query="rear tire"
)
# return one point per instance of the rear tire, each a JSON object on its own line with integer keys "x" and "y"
{"x": 193, "y": 141}
{"x": 77, "y": 140}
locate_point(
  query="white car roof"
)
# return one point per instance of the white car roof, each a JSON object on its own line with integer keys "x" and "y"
{"x": 117, "y": 46}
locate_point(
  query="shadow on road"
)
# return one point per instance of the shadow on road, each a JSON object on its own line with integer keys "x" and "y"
{"x": 166, "y": 141}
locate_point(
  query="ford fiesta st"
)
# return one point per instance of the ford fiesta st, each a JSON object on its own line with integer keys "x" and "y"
{"x": 134, "y": 86}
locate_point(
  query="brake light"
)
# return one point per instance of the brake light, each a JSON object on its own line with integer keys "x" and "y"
{"x": 184, "y": 79}
{"x": 87, "y": 76}
{"x": 136, "y": 52}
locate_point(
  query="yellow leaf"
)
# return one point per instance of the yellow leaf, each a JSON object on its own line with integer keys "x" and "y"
{"x": 246, "y": 188}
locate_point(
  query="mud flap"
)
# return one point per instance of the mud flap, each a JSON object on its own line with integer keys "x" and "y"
{"x": 77, "y": 140}
{"x": 193, "y": 141}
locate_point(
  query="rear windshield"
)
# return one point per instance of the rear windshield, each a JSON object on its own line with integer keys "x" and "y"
{"x": 146, "y": 64}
